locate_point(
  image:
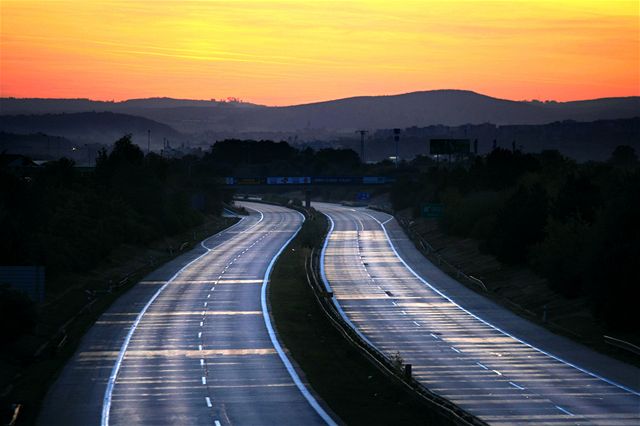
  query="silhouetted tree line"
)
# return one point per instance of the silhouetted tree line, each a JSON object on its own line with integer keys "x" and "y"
{"x": 575, "y": 224}
{"x": 68, "y": 219}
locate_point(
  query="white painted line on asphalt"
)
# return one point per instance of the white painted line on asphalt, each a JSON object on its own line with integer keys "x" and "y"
{"x": 394, "y": 303}
{"x": 106, "y": 402}
{"x": 516, "y": 386}
{"x": 204, "y": 380}
{"x": 204, "y": 312}
{"x": 205, "y": 304}
{"x": 327, "y": 286}
{"x": 208, "y": 400}
{"x": 199, "y": 347}
{"x": 199, "y": 334}
{"x": 216, "y": 423}
{"x": 482, "y": 365}
{"x": 274, "y": 339}
{"x": 564, "y": 410}
{"x": 208, "y": 296}
{"x": 592, "y": 374}
{"x": 434, "y": 336}
{"x": 201, "y": 323}
{"x": 455, "y": 350}
{"x": 497, "y": 372}
{"x": 417, "y": 323}
{"x": 201, "y": 362}
{"x": 403, "y": 313}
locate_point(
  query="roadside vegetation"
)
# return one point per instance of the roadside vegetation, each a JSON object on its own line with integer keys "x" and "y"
{"x": 356, "y": 391}
{"x": 574, "y": 224}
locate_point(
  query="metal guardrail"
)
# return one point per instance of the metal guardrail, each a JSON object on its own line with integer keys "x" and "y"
{"x": 388, "y": 365}
{"x": 619, "y": 343}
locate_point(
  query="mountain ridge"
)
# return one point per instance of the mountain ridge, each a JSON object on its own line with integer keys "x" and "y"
{"x": 313, "y": 120}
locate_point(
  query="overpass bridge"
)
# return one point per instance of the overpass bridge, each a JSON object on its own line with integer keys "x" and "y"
{"x": 305, "y": 183}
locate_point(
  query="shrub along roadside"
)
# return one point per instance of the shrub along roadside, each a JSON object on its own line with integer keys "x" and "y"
{"x": 343, "y": 377}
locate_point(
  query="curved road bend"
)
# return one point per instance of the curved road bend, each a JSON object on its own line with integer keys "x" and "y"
{"x": 201, "y": 354}
{"x": 454, "y": 353}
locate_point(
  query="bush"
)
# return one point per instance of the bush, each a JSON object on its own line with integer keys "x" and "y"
{"x": 18, "y": 315}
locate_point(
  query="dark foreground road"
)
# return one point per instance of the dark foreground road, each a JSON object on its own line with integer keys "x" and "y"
{"x": 202, "y": 353}
{"x": 463, "y": 346}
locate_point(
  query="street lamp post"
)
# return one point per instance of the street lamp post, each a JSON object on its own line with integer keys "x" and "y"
{"x": 362, "y": 133}
{"x": 396, "y": 138}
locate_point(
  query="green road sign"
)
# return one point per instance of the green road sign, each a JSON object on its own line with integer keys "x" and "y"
{"x": 432, "y": 210}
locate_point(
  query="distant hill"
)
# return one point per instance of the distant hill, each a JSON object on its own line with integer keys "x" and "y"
{"x": 447, "y": 107}
{"x": 91, "y": 127}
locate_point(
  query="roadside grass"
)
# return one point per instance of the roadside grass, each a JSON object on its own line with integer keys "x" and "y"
{"x": 31, "y": 376}
{"x": 355, "y": 390}
{"x": 520, "y": 290}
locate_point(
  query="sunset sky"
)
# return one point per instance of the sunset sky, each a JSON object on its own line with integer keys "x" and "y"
{"x": 288, "y": 52}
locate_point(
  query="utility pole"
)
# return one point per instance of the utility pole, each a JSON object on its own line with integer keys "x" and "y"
{"x": 362, "y": 133}
{"x": 396, "y": 138}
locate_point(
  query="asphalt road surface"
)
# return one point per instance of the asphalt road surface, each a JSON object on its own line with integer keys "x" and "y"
{"x": 461, "y": 345}
{"x": 192, "y": 343}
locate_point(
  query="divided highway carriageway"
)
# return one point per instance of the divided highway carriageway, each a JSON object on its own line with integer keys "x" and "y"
{"x": 462, "y": 346}
{"x": 192, "y": 344}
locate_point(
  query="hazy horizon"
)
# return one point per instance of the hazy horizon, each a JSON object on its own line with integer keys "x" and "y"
{"x": 248, "y": 101}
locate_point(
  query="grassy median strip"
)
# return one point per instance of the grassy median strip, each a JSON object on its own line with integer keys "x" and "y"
{"x": 356, "y": 391}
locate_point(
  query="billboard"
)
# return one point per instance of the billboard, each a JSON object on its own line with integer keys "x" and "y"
{"x": 449, "y": 147}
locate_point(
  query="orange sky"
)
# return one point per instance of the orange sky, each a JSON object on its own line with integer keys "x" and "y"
{"x": 287, "y": 52}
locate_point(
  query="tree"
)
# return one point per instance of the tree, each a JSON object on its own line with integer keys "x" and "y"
{"x": 624, "y": 156}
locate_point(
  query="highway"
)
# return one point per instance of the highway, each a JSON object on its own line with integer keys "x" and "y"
{"x": 192, "y": 343}
{"x": 462, "y": 346}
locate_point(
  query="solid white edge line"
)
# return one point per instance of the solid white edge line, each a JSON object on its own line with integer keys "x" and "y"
{"x": 611, "y": 382}
{"x": 274, "y": 340}
{"x": 564, "y": 411}
{"x": 106, "y": 401}
{"x": 325, "y": 281}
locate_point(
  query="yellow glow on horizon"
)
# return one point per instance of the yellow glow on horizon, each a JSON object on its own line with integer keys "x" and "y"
{"x": 287, "y": 52}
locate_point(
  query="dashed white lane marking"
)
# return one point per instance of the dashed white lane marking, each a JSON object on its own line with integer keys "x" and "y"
{"x": 213, "y": 288}
{"x": 201, "y": 362}
{"x": 199, "y": 347}
{"x": 208, "y": 296}
{"x": 216, "y": 423}
{"x": 205, "y": 303}
{"x": 201, "y": 323}
{"x": 564, "y": 410}
{"x": 516, "y": 386}
{"x": 208, "y": 400}
{"x": 404, "y": 313}
{"x": 497, "y": 372}
{"x": 199, "y": 334}
{"x": 482, "y": 365}
{"x": 454, "y": 349}
{"x": 417, "y": 323}
{"x": 434, "y": 336}
{"x": 204, "y": 380}
{"x": 394, "y": 303}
